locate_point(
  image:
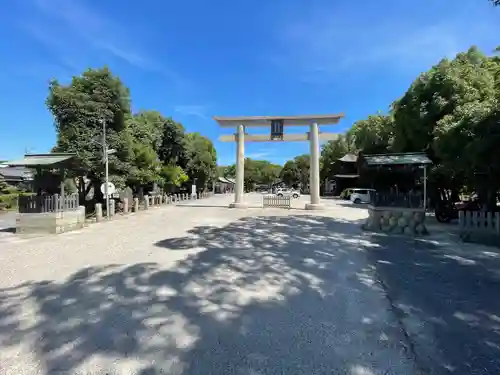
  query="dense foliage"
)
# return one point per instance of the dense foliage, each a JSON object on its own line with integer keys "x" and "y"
{"x": 150, "y": 148}
{"x": 452, "y": 113}
{"x": 257, "y": 172}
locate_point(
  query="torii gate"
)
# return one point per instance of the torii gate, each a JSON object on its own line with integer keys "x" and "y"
{"x": 277, "y": 125}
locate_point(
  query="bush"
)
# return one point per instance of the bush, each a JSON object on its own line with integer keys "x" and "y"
{"x": 8, "y": 201}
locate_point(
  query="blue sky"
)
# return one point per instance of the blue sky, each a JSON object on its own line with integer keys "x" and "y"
{"x": 195, "y": 59}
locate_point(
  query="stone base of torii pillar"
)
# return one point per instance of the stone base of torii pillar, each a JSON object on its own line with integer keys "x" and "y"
{"x": 238, "y": 205}
{"x": 314, "y": 206}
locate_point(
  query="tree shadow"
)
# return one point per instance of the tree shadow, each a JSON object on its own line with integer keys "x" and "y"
{"x": 262, "y": 295}
{"x": 447, "y": 297}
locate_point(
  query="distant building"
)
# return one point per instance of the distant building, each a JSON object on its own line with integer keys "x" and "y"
{"x": 16, "y": 175}
{"x": 346, "y": 175}
{"x": 224, "y": 185}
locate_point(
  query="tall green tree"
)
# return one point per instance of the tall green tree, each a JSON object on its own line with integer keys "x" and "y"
{"x": 201, "y": 159}
{"x": 290, "y": 174}
{"x": 374, "y": 135}
{"x": 296, "y": 172}
{"x": 173, "y": 177}
{"x": 145, "y": 131}
{"x": 172, "y": 149}
{"x": 79, "y": 109}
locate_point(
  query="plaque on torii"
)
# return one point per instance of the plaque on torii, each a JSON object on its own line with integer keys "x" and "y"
{"x": 277, "y": 133}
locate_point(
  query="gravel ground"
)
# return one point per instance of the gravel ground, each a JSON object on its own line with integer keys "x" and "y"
{"x": 201, "y": 289}
{"x": 446, "y": 295}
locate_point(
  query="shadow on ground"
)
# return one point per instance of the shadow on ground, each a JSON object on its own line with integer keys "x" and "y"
{"x": 263, "y": 295}
{"x": 447, "y": 296}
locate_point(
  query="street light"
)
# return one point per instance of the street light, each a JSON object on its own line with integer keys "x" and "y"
{"x": 106, "y": 152}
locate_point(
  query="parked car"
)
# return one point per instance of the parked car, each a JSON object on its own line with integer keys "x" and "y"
{"x": 361, "y": 195}
{"x": 346, "y": 194}
{"x": 288, "y": 192}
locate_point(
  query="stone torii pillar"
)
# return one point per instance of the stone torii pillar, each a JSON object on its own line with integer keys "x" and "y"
{"x": 314, "y": 167}
{"x": 240, "y": 168}
{"x": 277, "y": 125}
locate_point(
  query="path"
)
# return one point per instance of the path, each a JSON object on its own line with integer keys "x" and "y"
{"x": 200, "y": 290}
{"x": 447, "y": 297}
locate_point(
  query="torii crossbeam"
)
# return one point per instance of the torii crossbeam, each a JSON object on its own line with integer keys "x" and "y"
{"x": 277, "y": 125}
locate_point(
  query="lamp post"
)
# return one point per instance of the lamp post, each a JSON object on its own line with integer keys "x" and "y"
{"x": 424, "y": 167}
{"x": 106, "y": 152}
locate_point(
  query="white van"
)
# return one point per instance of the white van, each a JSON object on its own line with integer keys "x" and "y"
{"x": 361, "y": 195}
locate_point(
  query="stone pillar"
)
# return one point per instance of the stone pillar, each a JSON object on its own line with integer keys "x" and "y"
{"x": 125, "y": 206}
{"x": 136, "y": 204}
{"x": 81, "y": 216}
{"x": 112, "y": 209}
{"x": 98, "y": 212}
{"x": 240, "y": 168}
{"x": 314, "y": 183}
{"x": 146, "y": 202}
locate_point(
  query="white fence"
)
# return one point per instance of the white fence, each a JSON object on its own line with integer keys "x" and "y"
{"x": 478, "y": 221}
{"x": 277, "y": 202}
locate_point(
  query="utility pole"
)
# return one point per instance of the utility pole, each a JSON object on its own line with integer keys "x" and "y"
{"x": 106, "y": 169}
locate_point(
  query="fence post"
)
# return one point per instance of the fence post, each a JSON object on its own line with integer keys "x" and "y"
{"x": 57, "y": 203}
{"x": 136, "y": 205}
{"x": 146, "y": 202}
{"x": 112, "y": 209}
{"x": 489, "y": 221}
{"x": 461, "y": 220}
{"x": 468, "y": 219}
{"x": 125, "y": 205}
{"x": 98, "y": 212}
{"x": 81, "y": 215}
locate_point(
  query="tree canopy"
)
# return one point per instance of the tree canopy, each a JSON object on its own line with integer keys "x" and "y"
{"x": 150, "y": 148}
{"x": 257, "y": 172}
{"x": 296, "y": 172}
{"x": 451, "y": 112}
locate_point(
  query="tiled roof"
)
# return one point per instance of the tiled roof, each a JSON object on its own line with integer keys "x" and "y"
{"x": 349, "y": 158}
{"x": 397, "y": 159}
{"x": 15, "y": 173}
{"x": 34, "y": 160}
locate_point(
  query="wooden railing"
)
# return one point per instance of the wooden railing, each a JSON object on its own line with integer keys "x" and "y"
{"x": 48, "y": 203}
{"x": 479, "y": 221}
{"x": 276, "y": 201}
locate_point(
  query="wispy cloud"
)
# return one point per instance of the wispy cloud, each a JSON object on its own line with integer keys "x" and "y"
{"x": 342, "y": 39}
{"x": 76, "y": 32}
{"x": 192, "y": 110}
{"x": 258, "y": 155}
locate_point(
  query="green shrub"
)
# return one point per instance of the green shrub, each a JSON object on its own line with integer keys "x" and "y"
{"x": 8, "y": 201}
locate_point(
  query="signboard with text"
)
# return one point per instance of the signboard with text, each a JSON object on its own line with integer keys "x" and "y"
{"x": 277, "y": 130}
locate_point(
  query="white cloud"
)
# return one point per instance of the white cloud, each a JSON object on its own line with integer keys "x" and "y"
{"x": 257, "y": 155}
{"x": 192, "y": 110}
{"x": 331, "y": 41}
